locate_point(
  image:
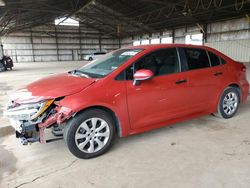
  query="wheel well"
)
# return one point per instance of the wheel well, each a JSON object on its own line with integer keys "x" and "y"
{"x": 237, "y": 87}
{"x": 234, "y": 85}
{"x": 113, "y": 115}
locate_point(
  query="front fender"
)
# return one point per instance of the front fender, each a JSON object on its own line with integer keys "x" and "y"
{"x": 113, "y": 98}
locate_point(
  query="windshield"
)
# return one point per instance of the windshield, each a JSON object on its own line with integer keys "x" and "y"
{"x": 104, "y": 65}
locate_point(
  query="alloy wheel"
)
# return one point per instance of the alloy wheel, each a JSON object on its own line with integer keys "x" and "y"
{"x": 230, "y": 103}
{"x": 92, "y": 135}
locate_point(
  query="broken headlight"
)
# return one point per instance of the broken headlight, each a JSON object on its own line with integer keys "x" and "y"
{"x": 27, "y": 111}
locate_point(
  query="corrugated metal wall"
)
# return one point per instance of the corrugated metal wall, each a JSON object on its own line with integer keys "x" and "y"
{"x": 232, "y": 37}
{"x": 60, "y": 43}
{"x": 237, "y": 49}
{"x": 56, "y": 43}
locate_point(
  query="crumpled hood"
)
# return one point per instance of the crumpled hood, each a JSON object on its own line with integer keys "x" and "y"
{"x": 51, "y": 87}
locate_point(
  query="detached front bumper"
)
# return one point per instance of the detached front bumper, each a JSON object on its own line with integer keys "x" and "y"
{"x": 30, "y": 130}
{"x": 25, "y": 131}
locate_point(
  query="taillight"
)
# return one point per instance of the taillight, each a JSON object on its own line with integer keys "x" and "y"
{"x": 243, "y": 69}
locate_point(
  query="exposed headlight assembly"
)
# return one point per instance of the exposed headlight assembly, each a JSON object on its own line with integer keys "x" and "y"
{"x": 43, "y": 107}
{"x": 28, "y": 112}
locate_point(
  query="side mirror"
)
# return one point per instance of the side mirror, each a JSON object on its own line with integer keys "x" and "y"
{"x": 141, "y": 75}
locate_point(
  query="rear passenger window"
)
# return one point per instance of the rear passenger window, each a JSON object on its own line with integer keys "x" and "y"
{"x": 222, "y": 61}
{"x": 214, "y": 59}
{"x": 196, "y": 58}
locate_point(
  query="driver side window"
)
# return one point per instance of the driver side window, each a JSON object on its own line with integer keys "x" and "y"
{"x": 161, "y": 62}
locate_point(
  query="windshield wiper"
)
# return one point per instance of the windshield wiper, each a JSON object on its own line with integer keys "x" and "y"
{"x": 80, "y": 73}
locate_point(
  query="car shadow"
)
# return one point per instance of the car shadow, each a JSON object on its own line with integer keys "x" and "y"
{"x": 211, "y": 122}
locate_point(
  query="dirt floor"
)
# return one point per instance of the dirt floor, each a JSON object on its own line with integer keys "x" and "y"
{"x": 206, "y": 152}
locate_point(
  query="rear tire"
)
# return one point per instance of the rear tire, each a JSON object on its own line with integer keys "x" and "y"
{"x": 229, "y": 102}
{"x": 90, "y": 133}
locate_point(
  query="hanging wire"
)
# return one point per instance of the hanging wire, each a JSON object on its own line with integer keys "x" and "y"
{"x": 148, "y": 18}
{"x": 159, "y": 14}
{"x": 216, "y": 4}
{"x": 208, "y": 5}
{"x": 196, "y": 7}
{"x": 185, "y": 6}
{"x": 171, "y": 11}
{"x": 237, "y": 7}
{"x": 139, "y": 19}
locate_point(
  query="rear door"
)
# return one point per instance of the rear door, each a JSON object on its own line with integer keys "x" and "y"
{"x": 217, "y": 67}
{"x": 219, "y": 73}
{"x": 202, "y": 78}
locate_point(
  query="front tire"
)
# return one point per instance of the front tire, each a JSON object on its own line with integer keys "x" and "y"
{"x": 90, "y": 133}
{"x": 229, "y": 102}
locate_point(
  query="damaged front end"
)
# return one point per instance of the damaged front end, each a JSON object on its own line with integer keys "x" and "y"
{"x": 31, "y": 119}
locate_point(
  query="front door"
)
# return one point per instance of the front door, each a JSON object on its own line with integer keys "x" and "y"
{"x": 164, "y": 97}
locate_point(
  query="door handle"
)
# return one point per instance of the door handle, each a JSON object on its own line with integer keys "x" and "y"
{"x": 218, "y": 73}
{"x": 181, "y": 81}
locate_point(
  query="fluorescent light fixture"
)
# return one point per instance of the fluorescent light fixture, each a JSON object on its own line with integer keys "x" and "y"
{"x": 66, "y": 21}
{"x": 2, "y": 3}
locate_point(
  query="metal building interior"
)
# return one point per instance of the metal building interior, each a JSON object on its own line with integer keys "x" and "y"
{"x": 217, "y": 157}
{"x": 112, "y": 24}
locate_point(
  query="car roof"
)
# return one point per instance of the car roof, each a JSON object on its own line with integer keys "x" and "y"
{"x": 161, "y": 46}
{"x": 156, "y": 46}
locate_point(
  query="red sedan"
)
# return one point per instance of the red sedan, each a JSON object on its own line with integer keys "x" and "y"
{"x": 126, "y": 92}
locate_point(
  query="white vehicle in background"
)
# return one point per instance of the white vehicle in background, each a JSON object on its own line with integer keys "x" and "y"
{"x": 93, "y": 56}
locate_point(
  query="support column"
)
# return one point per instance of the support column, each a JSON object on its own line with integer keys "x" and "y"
{"x": 57, "y": 47}
{"x": 204, "y": 33}
{"x": 173, "y": 35}
{"x": 160, "y": 36}
{"x": 80, "y": 43}
{"x": 32, "y": 45}
{"x": 119, "y": 42}
{"x": 100, "y": 43}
